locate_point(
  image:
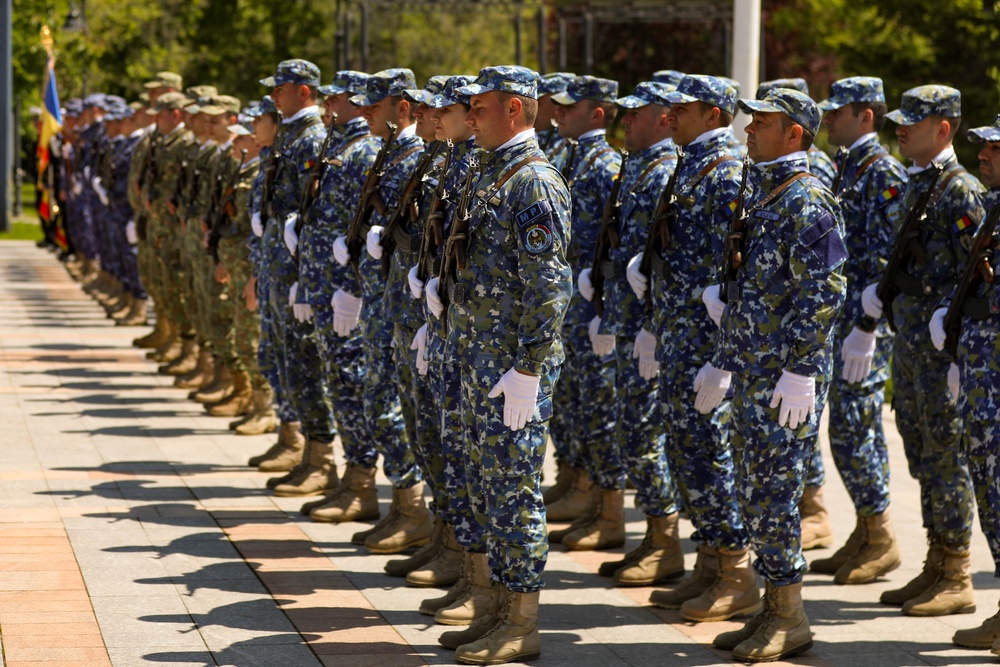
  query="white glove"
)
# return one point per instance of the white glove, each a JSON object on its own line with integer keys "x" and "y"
{"x": 291, "y": 238}
{"x": 713, "y": 303}
{"x": 420, "y": 344}
{"x": 416, "y": 284}
{"x": 710, "y": 386}
{"x": 644, "y": 350}
{"x": 870, "y": 303}
{"x": 340, "y": 252}
{"x": 585, "y": 286}
{"x": 130, "y": 233}
{"x": 953, "y": 383}
{"x": 433, "y": 300}
{"x": 603, "y": 344}
{"x": 346, "y": 312}
{"x": 638, "y": 282}
{"x": 293, "y": 293}
{"x": 303, "y": 312}
{"x": 255, "y": 224}
{"x": 797, "y": 397}
{"x": 520, "y": 396}
{"x": 936, "y": 326}
{"x": 102, "y": 194}
{"x": 86, "y": 173}
{"x": 374, "y": 241}
{"x": 857, "y": 352}
{"x": 77, "y": 186}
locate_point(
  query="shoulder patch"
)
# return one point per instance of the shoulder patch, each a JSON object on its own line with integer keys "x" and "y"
{"x": 964, "y": 223}
{"x": 538, "y": 238}
{"x": 536, "y": 211}
{"x": 888, "y": 195}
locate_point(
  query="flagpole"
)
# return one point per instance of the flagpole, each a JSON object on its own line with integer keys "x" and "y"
{"x": 6, "y": 99}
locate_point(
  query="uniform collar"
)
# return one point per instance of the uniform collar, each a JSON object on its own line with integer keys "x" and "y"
{"x": 711, "y": 134}
{"x": 301, "y": 113}
{"x": 518, "y": 138}
{"x": 863, "y": 140}
{"x": 942, "y": 157}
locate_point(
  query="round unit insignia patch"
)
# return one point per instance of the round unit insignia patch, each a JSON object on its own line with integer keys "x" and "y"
{"x": 537, "y": 239}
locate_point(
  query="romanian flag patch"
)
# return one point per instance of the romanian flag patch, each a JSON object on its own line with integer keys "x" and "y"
{"x": 308, "y": 164}
{"x": 886, "y": 195}
{"x": 732, "y": 207}
{"x": 964, "y": 223}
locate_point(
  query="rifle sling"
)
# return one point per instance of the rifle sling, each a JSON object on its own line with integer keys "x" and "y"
{"x": 649, "y": 169}
{"x": 416, "y": 149}
{"x": 486, "y": 197}
{"x": 590, "y": 163}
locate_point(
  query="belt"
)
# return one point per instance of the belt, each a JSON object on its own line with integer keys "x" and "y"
{"x": 912, "y": 286}
{"x": 404, "y": 241}
{"x": 980, "y": 308}
{"x": 611, "y": 268}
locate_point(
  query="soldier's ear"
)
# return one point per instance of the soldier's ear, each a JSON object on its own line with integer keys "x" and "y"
{"x": 794, "y": 136}
{"x": 514, "y": 106}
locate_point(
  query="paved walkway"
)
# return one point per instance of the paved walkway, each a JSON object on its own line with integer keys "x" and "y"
{"x": 131, "y": 533}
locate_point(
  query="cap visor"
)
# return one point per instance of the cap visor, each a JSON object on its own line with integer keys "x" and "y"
{"x": 563, "y": 99}
{"x": 238, "y": 129}
{"x": 269, "y": 82}
{"x": 630, "y": 102}
{"x": 152, "y": 84}
{"x": 677, "y": 97}
{"x": 751, "y": 106}
{"x": 988, "y": 133}
{"x": 832, "y": 104}
{"x": 361, "y": 101}
{"x": 899, "y": 117}
{"x": 440, "y": 102}
{"x": 331, "y": 90}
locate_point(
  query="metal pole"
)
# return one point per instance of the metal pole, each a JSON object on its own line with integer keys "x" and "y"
{"x": 364, "y": 36}
{"x": 347, "y": 35}
{"x": 18, "y": 169}
{"x": 747, "y": 33}
{"x": 588, "y": 47}
{"x": 562, "y": 44}
{"x": 543, "y": 42}
{"x": 6, "y": 76}
{"x": 518, "y": 53}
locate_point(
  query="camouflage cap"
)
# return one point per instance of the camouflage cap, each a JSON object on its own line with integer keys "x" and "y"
{"x": 194, "y": 92}
{"x": 434, "y": 86}
{"x": 347, "y": 81}
{"x": 295, "y": 71}
{"x": 265, "y": 106}
{"x": 221, "y": 104}
{"x": 798, "y": 106}
{"x": 93, "y": 100}
{"x": 113, "y": 103}
{"x": 732, "y": 82}
{"x": 980, "y": 135}
{"x": 853, "y": 89}
{"x": 449, "y": 95}
{"x": 119, "y": 112}
{"x": 137, "y": 106}
{"x": 512, "y": 79}
{"x": 73, "y": 107}
{"x": 242, "y": 127}
{"x": 144, "y": 97}
{"x": 712, "y": 90}
{"x": 553, "y": 83}
{"x": 165, "y": 79}
{"x": 647, "y": 92}
{"x": 925, "y": 101}
{"x": 796, "y": 83}
{"x": 671, "y": 76}
{"x": 169, "y": 102}
{"x": 387, "y": 83}
{"x": 587, "y": 88}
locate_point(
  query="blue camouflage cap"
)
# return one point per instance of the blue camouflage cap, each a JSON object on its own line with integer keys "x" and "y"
{"x": 553, "y": 83}
{"x": 647, "y": 92}
{"x": 387, "y": 83}
{"x": 113, "y": 102}
{"x": 978, "y": 135}
{"x": 796, "y": 83}
{"x": 587, "y": 88}
{"x": 512, "y": 79}
{"x": 434, "y": 85}
{"x": 854, "y": 89}
{"x": 293, "y": 71}
{"x": 346, "y": 81}
{"x": 925, "y": 101}
{"x": 94, "y": 100}
{"x": 244, "y": 123}
{"x": 449, "y": 95}
{"x": 798, "y": 106}
{"x": 712, "y": 90}
{"x": 73, "y": 107}
{"x": 265, "y": 106}
{"x": 732, "y": 82}
{"x": 671, "y": 76}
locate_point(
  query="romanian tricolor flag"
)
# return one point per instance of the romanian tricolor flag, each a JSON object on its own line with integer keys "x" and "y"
{"x": 51, "y": 125}
{"x": 964, "y": 223}
{"x": 886, "y": 195}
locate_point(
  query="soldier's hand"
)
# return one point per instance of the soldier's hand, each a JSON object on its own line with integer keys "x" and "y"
{"x": 795, "y": 395}
{"x": 346, "y": 312}
{"x": 638, "y": 282}
{"x": 374, "y": 242}
{"x": 256, "y": 225}
{"x": 221, "y": 274}
{"x": 644, "y": 349}
{"x": 420, "y": 345}
{"x": 416, "y": 284}
{"x": 434, "y": 301}
{"x": 585, "y": 286}
{"x": 710, "y": 386}
{"x": 713, "y": 303}
{"x": 602, "y": 344}
{"x": 857, "y": 352}
{"x": 250, "y": 294}
{"x": 291, "y": 237}
{"x": 520, "y": 397}
{"x": 936, "y": 326}
{"x": 870, "y": 303}
{"x": 954, "y": 383}
{"x": 340, "y": 251}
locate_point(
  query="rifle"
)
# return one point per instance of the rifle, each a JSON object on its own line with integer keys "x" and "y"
{"x": 315, "y": 178}
{"x": 456, "y": 245}
{"x": 369, "y": 201}
{"x": 661, "y": 226}
{"x": 270, "y": 174}
{"x": 226, "y": 208}
{"x": 907, "y": 245}
{"x": 608, "y": 238}
{"x": 433, "y": 236}
{"x": 732, "y": 252}
{"x": 977, "y": 268}
{"x": 408, "y": 208}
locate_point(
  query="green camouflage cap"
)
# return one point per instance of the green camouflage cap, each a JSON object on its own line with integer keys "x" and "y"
{"x": 712, "y": 90}
{"x": 587, "y": 88}
{"x": 294, "y": 71}
{"x": 796, "y": 83}
{"x": 925, "y": 101}
{"x": 144, "y": 97}
{"x": 553, "y": 83}
{"x": 137, "y": 106}
{"x": 220, "y": 104}
{"x": 980, "y": 135}
{"x": 170, "y": 101}
{"x": 798, "y": 106}
{"x": 168, "y": 79}
{"x": 194, "y": 92}
{"x": 853, "y": 89}
{"x": 647, "y": 92}
{"x": 671, "y": 76}
{"x": 347, "y": 81}
{"x": 449, "y": 95}
{"x": 435, "y": 85}
{"x": 512, "y": 79}
{"x": 387, "y": 83}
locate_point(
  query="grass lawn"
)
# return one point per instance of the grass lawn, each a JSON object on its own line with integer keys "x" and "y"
{"x": 25, "y": 227}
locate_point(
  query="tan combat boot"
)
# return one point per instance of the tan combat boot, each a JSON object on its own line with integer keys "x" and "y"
{"x": 186, "y": 362}
{"x": 952, "y": 594}
{"x": 400, "y": 567}
{"x": 514, "y": 638}
{"x": 120, "y": 308}
{"x": 237, "y": 403}
{"x": 444, "y": 569}
{"x": 307, "y": 507}
{"x": 587, "y": 517}
{"x": 262, "y": 419}
{"x": 565, "y": 476}
{"x": 412, "y": 527}
{"x": 784, "y": 630}
{"x": 478, "y": 628}
{"x": 815, "y": 520}
{"x": 704, "y": 574}
{"x": 356, "y": 501}
{"x": 608, "y": 529}
{"x": 430, "y": 606}
{"x": 928, "y": 576}
{"x": 574, "y": 502}
{"x": 734, "y": 592}
{"x": 843, "y": 554}
{"x": 473, "y": 601}
{"x": 169, "y": 349}
{"x": 878, "y": 554}
{"x": 156, "y": 337}
{"x": 200, "y": 375}
{"x": 286, "y": 453}
{"x": 319, "y": 475}
{"x": 137, "y": 314}
{"x": 660, "y": 556}
{"x": 296, "y": 471}
{"x": 982, "y": 637}
{"x": 219, "y": 388}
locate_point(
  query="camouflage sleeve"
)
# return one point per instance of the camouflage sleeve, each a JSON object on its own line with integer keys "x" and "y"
{"x": 885, "y": 190}
{"x": 968, "y": 212}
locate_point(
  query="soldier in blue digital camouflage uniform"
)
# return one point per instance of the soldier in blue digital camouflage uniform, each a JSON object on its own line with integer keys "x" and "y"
{"x": 550, "y": 141}
{"x": 583, "y": 419}
{"x": 774, "y": 349}
{"x": 670, "y": 77}
{"x": 723, "y": 584}
{"x": 505, "y": 311}
{"x": 927, "y": 121}
{"x": 638, "y": 450}
{"x": 869, "y": 186}
{"x": 408, "y": 523}
{"x": 978, "y": 391}
{"x": 820, "y": 163}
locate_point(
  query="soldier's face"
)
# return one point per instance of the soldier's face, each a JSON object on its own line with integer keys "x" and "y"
{"x": 264, "y": 128}
{"x": 842, "y": 126}
{"x": 766, "y": 140}
{"x": 487, "y": 118}
{"x": 920, "y": 141}
{"x": 380, "y": 113}
{"x": 196, "y": 123}
{"x": 687, "y": 121}
{"x": 449, "y": 123}
{"x": 546, "y": 113}
{"x": 989, "y": 164}
{"x": 216, "y": 127}
{"x": 574, "y": 119}
{"x": 425, "y": 128}
{"x": 645, "y": 126}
